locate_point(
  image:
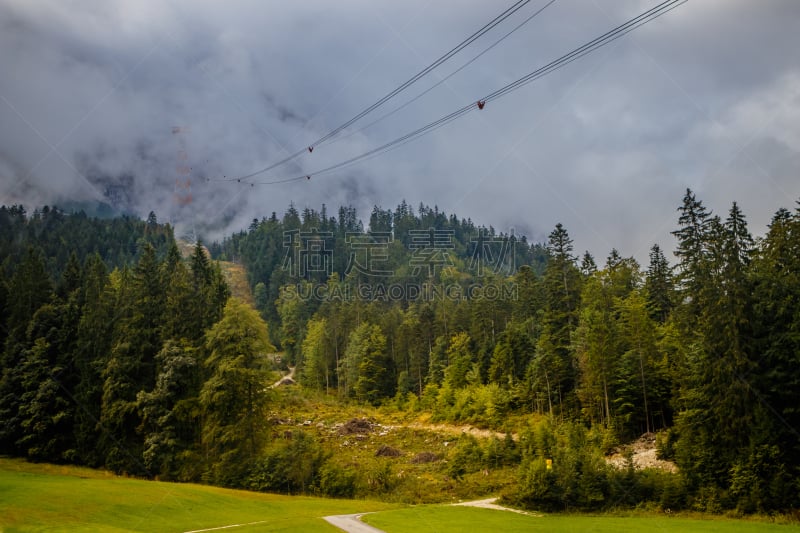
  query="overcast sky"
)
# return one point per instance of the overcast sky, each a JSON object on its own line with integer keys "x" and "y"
{"x": 706, "y": 97}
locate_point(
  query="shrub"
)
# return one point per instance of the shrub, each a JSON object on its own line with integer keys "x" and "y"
{"x": 580, "y": 479}
{"x": 336, "y": 481}
{"x": 468, "y": 457}
{"x": 290, "y": 466}
{"x": 429, "y": 397}
{"x": 760, "y": 483}
{"x": 380, "y": 479}
{"x": 665, "y": 444}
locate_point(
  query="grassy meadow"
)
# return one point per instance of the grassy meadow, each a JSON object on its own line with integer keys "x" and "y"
{"x": 439, "y": 518}
{"x": 44, "y": 497}
{"x": 39, "y": 497}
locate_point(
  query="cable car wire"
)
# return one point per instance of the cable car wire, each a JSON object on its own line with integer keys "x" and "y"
{"x": 459, "y": 69}
{"x": 453, "y": 51}
{"x": 577, "y": 53}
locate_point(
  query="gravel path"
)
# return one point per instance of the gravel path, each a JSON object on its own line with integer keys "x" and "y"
{"x": 351, "y": 523}
{"x": 490, "y": 504}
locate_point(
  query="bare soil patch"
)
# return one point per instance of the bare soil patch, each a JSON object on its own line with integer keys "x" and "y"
{"x": 643, "y": 454}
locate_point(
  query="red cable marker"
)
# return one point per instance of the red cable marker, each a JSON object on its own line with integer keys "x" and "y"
{"x": 481, "y": 103}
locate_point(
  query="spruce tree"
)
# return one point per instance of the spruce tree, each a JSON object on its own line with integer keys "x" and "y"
{"x": 774, "y": 456}
{"x": 659, "y": 285}
{"x": 31, "y": 289}
{"x": 170, "y": 414}
{"x": 235, "y": 397}
{"x": 553, "y": 371}
{"x": 93, "y": 344}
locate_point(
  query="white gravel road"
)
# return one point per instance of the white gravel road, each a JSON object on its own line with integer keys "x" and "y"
{"x": 351, "y": 523}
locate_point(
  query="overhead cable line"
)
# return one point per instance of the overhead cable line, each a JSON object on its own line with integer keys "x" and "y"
{"x": 591, "y": 46}
{"x": 453, "y": 51}
{"x": 459, "y": 69}
{"x": 466, "y": 42}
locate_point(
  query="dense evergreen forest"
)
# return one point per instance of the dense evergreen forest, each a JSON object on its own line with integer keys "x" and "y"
{"x": 119, "y": 353}
{"x": 103, "y": 325}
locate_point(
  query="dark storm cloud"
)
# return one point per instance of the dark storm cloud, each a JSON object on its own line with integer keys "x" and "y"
{"x": 705, "y": 97}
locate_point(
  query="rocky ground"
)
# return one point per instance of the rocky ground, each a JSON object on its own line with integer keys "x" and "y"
{"x": 643, "y": 452}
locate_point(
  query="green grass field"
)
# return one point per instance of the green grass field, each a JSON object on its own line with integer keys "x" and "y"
{"x": 54, "y": 498}
{"x": 437, "y": 518}
{"x": 64, "y": 498}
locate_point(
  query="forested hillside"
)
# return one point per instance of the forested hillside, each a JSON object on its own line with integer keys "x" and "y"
{"x": 103, "y": 328}
{"x": 129, "y": 357}
{"x": 397, "y": 246}
{"x": 705, "y": 350}
{"x": 57, "y": 235}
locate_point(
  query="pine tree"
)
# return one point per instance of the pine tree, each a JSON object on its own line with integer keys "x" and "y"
{"x": 720, "y": 413}
{"x": 530, "y": 298}
{"x": 644, "y": 383}
{"x": 561, "y": 277}
{"x": 315, "y": 371}
{"x": 511, "y": 355}
{"x": 31, "y": 289}
{"x": 553, "y": 371}
{"x": 776, "y": 294}
{"x": 170, "y": 414}
{"x": 437, "y": 362}
{"x": 596, "y": 345}
{"x": 120, "y": 443}
{"x": 235, "y": 397}
{"x": 293, "y": 312}
{"x": 3, "y": 305}
{"x": 144, "y": 327}
{"x": 181, "y": 299}
{"x": 588, "y": 265}
{"x": 46, "y": 408}
{"x": 416, "y": 342}
{"x": 659, "y": 285}
{"x": 459, "y": 360}
{"x": 693, "y": 238}
{"x": 93, "y": 343}
{"x": 374, "y": 381}
{"x": 365, "y": 364}
{"x": 131, "y": 367}
{"x": 71, "y": 277}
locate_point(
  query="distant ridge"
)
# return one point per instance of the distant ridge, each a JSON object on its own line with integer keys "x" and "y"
{"x": 94, "y": 208}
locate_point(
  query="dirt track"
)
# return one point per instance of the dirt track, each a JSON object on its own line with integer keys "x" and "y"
{"x": 458, "y": 430}
{"x": 352, "y": 522}
{"x": 490, "y": 504}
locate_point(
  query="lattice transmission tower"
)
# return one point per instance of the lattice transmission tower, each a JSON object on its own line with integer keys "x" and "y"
{"x": 182, "y": 193}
